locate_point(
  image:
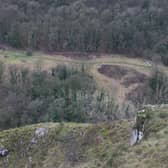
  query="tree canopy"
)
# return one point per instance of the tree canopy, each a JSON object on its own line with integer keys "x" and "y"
{"x": 139, "y": 28}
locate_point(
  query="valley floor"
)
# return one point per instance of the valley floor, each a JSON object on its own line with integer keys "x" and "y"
{"x": 115, "y": 87}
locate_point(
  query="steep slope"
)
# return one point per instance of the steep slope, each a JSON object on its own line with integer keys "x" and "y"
{"x": 67, "y": 145}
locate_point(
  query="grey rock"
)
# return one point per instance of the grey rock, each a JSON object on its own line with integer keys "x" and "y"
{"x": 40, "y": 132}
{"x": 3, "y": 152}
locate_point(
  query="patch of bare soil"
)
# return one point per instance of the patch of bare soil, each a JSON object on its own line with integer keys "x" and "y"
{"x": 129, "y": 80}
{"x": 127, "y": 76}
{"x": 113, "y": 71}
{"x": 134, "y": 78}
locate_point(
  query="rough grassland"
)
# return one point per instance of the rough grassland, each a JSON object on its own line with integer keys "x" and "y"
{"x": 110, "y": 85}
{"x": 105, "y": 145}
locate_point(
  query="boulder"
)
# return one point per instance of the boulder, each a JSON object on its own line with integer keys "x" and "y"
{"x": 136, "y": 137}
{"x": 40, "y": 132}
{"x": 141, "y": 135}
{"x": 3, "y": 152}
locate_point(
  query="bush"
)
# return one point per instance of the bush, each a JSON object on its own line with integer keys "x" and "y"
{"x": 29, "y": 52}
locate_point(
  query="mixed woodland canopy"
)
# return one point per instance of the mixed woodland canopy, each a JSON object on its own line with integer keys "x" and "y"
{"x": 134, "y": 27}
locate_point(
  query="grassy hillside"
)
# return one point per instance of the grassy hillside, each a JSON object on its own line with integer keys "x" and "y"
{"x": 70, "y": 145}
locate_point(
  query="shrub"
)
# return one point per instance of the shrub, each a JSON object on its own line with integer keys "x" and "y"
{"x": 29, "y": 52}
